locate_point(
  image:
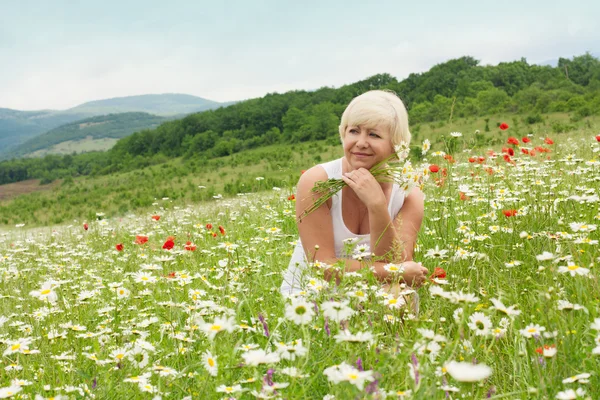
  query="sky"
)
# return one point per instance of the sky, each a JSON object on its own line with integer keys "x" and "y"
{"x": 58, "y": 54}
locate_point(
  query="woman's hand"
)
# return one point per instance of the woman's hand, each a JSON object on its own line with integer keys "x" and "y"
{"x": 415, "y": 274}
{"x": 366, "y": 187}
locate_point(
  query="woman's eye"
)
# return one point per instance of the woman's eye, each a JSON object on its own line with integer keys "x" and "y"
{"x": 375, "y": 135}
{"x": 353, "y": 131}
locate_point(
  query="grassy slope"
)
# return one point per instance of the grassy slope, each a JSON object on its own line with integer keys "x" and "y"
{"x": 76, "y": 146}
{"x": 280, "y": 165}
{"x": 105, "y": 126}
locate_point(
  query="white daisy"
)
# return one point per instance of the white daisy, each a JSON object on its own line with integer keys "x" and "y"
{"x": 467, "y": 372}
{"x": 480, "y": 323}
{"x": 210, "y": 363}
{"x": 300, "y": 312}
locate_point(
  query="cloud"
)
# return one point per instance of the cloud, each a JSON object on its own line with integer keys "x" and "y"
{"x": 231, "y": 57}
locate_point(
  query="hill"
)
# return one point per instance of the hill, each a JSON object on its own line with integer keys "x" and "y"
{"x": 158, "y": 104}
{"x": 180, "y": 181}
{"x": 17, "y": 127}
{"x": 459, "y": 88}
{"x": 113, "y": 126}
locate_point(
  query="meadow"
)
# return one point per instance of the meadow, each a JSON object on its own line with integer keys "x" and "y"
{"x": 178, "y": 301}
{"x": 186, "y": 180}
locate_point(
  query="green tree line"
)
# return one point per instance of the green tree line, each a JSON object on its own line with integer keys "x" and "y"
{"x": 459, "y": 87}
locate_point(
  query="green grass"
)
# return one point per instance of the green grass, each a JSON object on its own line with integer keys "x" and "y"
{"x": 280, "y": 165}
{"x": 243, "y": 284}
{"x": 76, "y": 146}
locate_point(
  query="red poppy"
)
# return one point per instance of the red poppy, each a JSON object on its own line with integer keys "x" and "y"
{"x": 598, "y": 138}
{"x": 169, "y": 243}
{"x": 489, "y": 170}
{"x": 540, "y": 350}
{"x": 292, "y": 197}
{"x": 438, "y": 273}
{"x": 85, "y": 226}
{"x": 524, "y": 150}
{"x": 525, "y": 139}
{"x": 434, "y": 168}
{"x": 509, "y": 213}
{"x": 541, "y": 149}
{"x": 222, "y": 230}
{"x": 463, "y": 196}
{"x": 141, "y": 239}
{"x": 503, "y": 126}
{"x": 548, "y": 141}
{"x": 119, "y": 247}
{"x": 481, "y": 159}
{"x": 513, "y": 140}
{"x": 171, "y": 275}
{"x": 302, "y": 171}
{"x": 156, "y": 217}
{"x": 189, "y": 246}
{"x": 449, "y": 158}
{"x": 472, "y": 159}
{"x": 214, "y": 234}
{"x": 209, "y": 226}
{"x": 507, "y": 158}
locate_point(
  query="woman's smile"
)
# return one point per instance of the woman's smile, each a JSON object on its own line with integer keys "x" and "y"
{"x": 361, "y": 155}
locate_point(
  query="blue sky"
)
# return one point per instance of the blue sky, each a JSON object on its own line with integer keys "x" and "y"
{"x": 58, "y": 54}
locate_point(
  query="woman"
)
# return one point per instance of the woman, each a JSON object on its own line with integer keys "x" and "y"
{"x": 372, "y": 213}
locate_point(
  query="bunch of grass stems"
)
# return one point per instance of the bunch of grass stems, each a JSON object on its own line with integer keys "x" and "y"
{"x": 387, "y": 170}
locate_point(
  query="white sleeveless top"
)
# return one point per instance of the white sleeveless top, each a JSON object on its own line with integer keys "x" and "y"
{"x": 293, "y": 276}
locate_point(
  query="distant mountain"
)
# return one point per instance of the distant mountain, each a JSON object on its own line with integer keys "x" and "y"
{"x": 19, "y": 126}
{"x": 158, "y": 104}
{"x": 113, "y": 126}
{"x": 16, "y": 127}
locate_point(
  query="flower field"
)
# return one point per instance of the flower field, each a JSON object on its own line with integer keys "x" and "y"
{"x": 185, "y": 302}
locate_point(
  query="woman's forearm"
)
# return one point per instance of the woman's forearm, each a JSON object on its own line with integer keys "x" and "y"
{"x": 354, "y": 265}
{"x": 383, "y": 232}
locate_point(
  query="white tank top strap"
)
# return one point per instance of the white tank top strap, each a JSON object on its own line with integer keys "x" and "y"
{"x": 333, "y": 168}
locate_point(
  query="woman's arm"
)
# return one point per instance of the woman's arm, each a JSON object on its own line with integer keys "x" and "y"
{"x": 402, "y": 231}
{"x": 316, "y": 232}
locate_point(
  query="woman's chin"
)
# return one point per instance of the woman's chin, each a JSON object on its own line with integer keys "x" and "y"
{"x": 356, "y": 164}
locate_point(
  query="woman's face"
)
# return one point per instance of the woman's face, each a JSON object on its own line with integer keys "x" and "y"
{"x": 365, "y": 147}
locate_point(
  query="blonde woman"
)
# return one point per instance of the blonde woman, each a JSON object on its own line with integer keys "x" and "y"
{"x": 373, "y": 214}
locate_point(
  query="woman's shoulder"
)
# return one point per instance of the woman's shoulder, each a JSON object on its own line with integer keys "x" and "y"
{"x": 321, "y": 172}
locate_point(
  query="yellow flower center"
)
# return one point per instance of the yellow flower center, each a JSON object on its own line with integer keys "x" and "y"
{"x": 15, "y": 347}
{"x": 573, "y": 267}
{"x": 45, "y": 291}
{"x": 215, "y": 328}
{"x": 211, "y": 362}
{"x": 300, "y": 310}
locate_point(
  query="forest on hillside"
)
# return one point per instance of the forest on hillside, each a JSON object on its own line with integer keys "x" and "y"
{"x": 454, "y": 89}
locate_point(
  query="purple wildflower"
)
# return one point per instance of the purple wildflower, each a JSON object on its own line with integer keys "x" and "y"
{"x": 415, "y": 364}
{"x": 359, "y": 364}
{"x": 264, "y": 324}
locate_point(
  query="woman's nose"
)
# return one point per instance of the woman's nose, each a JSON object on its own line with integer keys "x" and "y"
{"x": 362, "y": 141}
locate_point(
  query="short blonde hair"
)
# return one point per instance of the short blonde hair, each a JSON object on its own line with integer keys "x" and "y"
{"x": 378, "y": 107}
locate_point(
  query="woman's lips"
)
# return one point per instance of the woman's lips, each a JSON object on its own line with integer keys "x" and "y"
{"x": 361, "y": 155}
